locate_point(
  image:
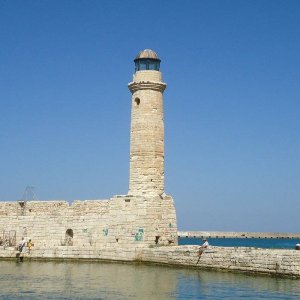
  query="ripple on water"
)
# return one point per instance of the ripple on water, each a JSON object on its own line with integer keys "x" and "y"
{"x": 95, "y": 280}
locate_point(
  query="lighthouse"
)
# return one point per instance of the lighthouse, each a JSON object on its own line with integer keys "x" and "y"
{"x": 149, "y": 210}
{"x": 147, "y": 126}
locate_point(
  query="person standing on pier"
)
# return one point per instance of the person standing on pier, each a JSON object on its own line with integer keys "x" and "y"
{"x": 30, "y": 245}
{"x": 22, "y": 244}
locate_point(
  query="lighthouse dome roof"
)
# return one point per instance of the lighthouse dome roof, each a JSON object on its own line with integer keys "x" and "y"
{"x": 147, "y": 54}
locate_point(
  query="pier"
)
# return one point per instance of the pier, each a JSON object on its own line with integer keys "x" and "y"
{"x": 246, "y": 235}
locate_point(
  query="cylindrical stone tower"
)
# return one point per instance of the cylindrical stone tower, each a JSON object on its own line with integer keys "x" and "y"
{"x": 147, "y": 126}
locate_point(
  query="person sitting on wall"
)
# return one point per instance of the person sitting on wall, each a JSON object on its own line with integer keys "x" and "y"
{"x": 203, "y": 246}
{"x": 30, "y": 245}
{"x": 22, "y": 244}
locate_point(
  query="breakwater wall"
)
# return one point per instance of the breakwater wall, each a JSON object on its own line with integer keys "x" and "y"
{"x": 224, "y": 234}
{"x": 278, "y": 262}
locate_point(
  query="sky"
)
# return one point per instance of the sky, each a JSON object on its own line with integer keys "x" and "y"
{"x": 232, "y": 104}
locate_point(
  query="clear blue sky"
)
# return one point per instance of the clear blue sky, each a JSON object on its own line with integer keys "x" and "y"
{"x": 232, "y": 105}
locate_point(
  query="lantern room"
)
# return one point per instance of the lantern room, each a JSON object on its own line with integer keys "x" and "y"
{"x": 147, "y": 60}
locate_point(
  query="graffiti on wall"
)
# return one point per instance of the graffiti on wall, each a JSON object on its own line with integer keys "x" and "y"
{"x": 105, "y": 231}
{"x": 139, "y": 235}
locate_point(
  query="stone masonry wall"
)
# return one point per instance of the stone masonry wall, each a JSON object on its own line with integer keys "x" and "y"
{"x": 147, "y": 134}
{"x": 250, "y": 260}
{"x": 121, "y": 220}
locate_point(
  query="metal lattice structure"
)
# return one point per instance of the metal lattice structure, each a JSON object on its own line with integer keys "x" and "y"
{"x": 29, "y": 194}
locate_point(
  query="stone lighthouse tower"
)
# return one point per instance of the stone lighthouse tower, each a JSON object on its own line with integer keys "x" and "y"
{"x": 148, "y": 215}
{"x": 147, "y": 126}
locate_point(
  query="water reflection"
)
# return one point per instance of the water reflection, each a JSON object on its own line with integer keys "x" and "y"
{"x": 211, "y": 285}
{"x": 94, "y": 280}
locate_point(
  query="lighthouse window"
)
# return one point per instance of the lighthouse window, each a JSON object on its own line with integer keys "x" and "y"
{"x": 137, "y": 101}
{"x": 147, "y": 64}
{"x": 143, "y": 65}
{"x": 152, "y": 66}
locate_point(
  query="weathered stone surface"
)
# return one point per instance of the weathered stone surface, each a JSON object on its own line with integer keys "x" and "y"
{"x": 270, "y": 261}
{"x": 250, "y": 260}
{"x": 147, "y": 134}
{"x": 120, "y": 220}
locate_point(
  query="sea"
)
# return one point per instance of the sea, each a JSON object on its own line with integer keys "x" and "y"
{"x": 107, "y": 280}
{"x": 274, "y": 243}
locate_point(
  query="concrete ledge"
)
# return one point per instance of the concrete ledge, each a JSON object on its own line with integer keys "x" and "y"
{"x": 237, "y": 259}
{"x": 242, "y": 259}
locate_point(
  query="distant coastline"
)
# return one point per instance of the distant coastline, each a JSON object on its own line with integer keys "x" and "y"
{"x": 222, "y": 234}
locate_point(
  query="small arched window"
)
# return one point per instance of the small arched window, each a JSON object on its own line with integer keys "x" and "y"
{"x": 69, "y": 237}
{"x": 137, "y": 101}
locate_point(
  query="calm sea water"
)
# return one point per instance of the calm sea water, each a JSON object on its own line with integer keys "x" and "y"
{"x": 243, "y": 242}
{"x": 95, "y": 280}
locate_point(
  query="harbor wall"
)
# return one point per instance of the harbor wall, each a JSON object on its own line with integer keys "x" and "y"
{"x": 124, "y": 220}
{"x": 279, "y": 262}
{"x": 124, "y": 228}
{"x": 243, "y": 259}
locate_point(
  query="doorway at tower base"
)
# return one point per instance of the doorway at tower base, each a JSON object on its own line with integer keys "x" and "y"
{"x": 144, "y": 220}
